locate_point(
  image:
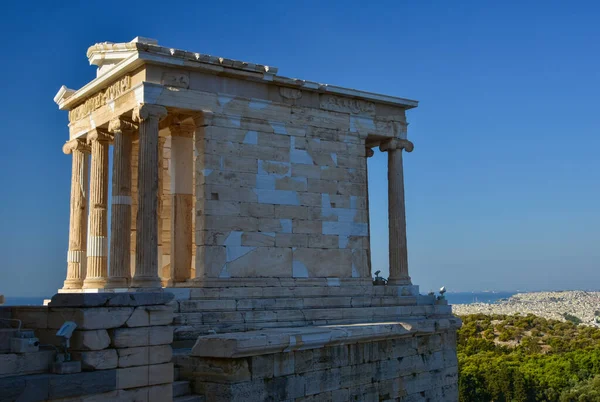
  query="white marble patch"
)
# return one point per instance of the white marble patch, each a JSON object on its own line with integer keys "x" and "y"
{"x": 265, "y": 182}
{"x": 258, "y": 104}
{"x": 235, "y": 252}
{"x": 286, "y": 225}
{"x": 299, "y": 270}
{"x": 224, "y": 99}
{"x": 235, "y": 121}
{"x": 251, "y": 137}
{"x": 345, "y": 228}
{"x": 278, "y": 128}
{"x": 333, "y": 282}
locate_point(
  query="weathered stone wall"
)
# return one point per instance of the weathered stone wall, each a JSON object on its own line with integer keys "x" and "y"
{"x": 123, "y": 341}
{"x": 281, "y": 193}
{"x": 413, "y": 368}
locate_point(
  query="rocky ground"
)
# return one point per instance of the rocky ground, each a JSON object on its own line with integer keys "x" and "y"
{"x": 583, "y": 305}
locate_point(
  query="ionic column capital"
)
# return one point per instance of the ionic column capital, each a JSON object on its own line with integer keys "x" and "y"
{"x": 99, "y": 135}
{"x": 78, "y": 144}
{"x": 120, "y": 125}
{"x": 396, "y": 143}
{"x": 148, "y": 111}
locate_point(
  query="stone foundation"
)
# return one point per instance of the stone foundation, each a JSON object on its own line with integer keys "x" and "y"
{"x": 409, "y": 361}
{"x": 123, "y": 341}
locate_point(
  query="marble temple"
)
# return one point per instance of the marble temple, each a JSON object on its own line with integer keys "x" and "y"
{"x": 244, "y": 194}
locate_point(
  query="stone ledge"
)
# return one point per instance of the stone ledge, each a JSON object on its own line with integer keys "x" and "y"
{"x": 276, "y": 340}
{"x": 110, "y": 299}
{"x": 42, "y": 387}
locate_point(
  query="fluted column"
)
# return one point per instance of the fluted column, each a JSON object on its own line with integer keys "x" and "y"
{"x": 97, "y": 246}
{"x": 397, "y": 212}
{"x": 146, "y": 255}
{"x": 160, "y": 197}
{"x": 76, "y": 256}
{"x": 182, "y": 201}
{"x": 119, "y": 273}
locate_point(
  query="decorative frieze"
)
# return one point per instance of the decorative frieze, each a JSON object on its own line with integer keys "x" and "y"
{"x": 100, "y": 99}
{"x": 347, "y": 105}
{"x": 290, "y": 93}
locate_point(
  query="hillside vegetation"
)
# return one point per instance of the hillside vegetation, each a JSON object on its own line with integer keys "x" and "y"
{"x": 519, "y": 358}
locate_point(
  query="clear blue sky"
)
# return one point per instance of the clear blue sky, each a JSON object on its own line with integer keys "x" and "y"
{"x": 502, "y": 188}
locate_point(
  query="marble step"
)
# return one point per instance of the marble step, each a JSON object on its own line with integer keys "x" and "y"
{"x": 285, "y": 303}
{"x": 189, "y": 398}
{"x": 200, "y": 315}
{"x": 294, "y": 291}
{"x": 189, "y": 327}
{"x": 181, "y": 388}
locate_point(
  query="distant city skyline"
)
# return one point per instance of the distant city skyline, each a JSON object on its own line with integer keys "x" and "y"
{"x": 501, "y": 190}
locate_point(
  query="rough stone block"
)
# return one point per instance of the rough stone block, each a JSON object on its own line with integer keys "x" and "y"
{"x": 110, "y": 299}
{"x": 97, "y": 359}
{"x": 85, "y": 383}
{"x": 90, "y": 340}
{"x": 35, "y": 317}
{"x": 141, "y": 336}
{"x": 90, "y": 318}
{"x": 28, "y": 363}
{"x": 262, "y": 367}
{"x": 283, "y": 364}
{"x": 322, "y": 381}
{"x": 139, "y": 318}
{"x": 144, "y": 355}
{"x": 160, "y": 373}
{"x": 132, "y": 377}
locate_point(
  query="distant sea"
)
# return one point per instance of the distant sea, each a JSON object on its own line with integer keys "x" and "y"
{"x": 24, "y": 301}
{"x": 477, "y": 297}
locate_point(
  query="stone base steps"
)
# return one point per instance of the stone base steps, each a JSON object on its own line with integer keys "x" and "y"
{"x": 189, "y": 398}
{"x": 12, "y": 364}
{"x": 182, "y": 390}
{"x": 248, "y": 292}
{"x": 189, "y": 325}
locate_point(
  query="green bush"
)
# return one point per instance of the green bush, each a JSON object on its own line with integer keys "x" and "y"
{"x": 544, "y": 360}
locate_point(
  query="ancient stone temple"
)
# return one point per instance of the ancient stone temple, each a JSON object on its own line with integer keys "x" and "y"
{"x": 244, "y": 193}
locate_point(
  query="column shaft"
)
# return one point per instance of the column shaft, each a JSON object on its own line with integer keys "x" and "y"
{"x": 182, "y": 202}
{"x": 398, "y": 253}
{"x": 120, "y": 247}
{"x": 97, "y": 247}
{"x": 76, "y": 256}
{"x": 146, "y": 257}
{"x": 134, "y": 202}
{"x": 161, "y": 175}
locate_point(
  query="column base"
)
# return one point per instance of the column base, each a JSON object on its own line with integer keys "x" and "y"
{"x": 114, "y": 283}
{"x": 94, "y": 283}
{"x": 145, "y": 282}
{"x": 73, "y": 284}
{"x": 400, "y": 281}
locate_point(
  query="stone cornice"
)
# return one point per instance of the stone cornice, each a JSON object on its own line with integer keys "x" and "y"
{"x": 396, "y": 143}
{"x": 77, "y": 144}
{"x": 117, "y": 59}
